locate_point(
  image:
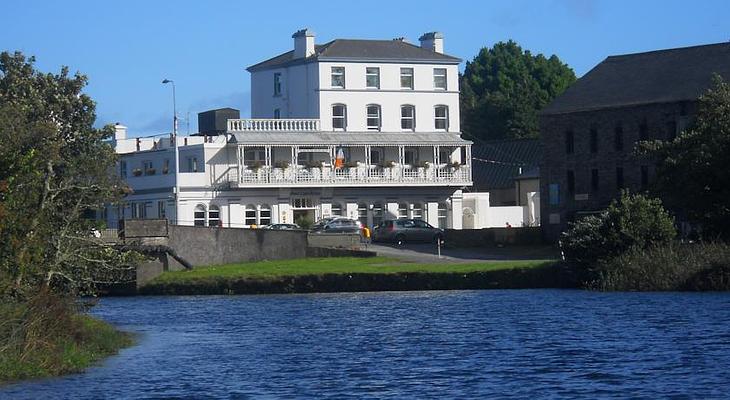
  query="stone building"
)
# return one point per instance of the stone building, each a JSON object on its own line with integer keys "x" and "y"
{"x": 589, "y": 133}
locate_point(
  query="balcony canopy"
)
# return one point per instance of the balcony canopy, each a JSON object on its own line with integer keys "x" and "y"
{"x": 348, "y": 138}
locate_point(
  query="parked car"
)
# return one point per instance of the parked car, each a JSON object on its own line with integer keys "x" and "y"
{"x": 407, "y": 230}
{"x": 337, "y": 225}
{"x": 281, "y": 227}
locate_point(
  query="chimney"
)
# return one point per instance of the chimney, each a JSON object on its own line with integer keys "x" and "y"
{"x": 401, "y": 39}
{"x": 120, "y": 131}
{"x": 433, "y": 41}
{"x": 303, "y": 43}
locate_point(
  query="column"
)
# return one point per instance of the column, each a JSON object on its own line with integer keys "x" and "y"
{"x": 456, "y": 210}
{"x": 432, "y": 213}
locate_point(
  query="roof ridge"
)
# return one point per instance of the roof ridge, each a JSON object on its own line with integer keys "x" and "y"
{"x": 667, "y": 50}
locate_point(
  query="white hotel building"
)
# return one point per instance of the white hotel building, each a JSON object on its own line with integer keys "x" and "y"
{"x": 367, "y": 129}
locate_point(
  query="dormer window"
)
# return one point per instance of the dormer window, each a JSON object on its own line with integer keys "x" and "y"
{"x": 338, "y": 77}
{"x": 406, "y": 78}
{"x": 372, "y": 77}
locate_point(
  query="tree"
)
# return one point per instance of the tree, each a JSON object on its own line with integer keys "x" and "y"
{"x": 503, "y": 89}
{"x": 54, "y": 168}
{"x": 693, "y": 170}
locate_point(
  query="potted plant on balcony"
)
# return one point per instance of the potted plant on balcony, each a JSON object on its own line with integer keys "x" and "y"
{"x": 256, "y": 165}
{"x": 314, "y": 164}
{"x": 454, "y": 165}
{"x": 386, "y": 164}
{"x": 137, "y": 172}
{"x": 281, "y": 164}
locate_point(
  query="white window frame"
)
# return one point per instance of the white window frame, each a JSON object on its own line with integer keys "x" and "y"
{"x": 442, "y": 215}
{"x": 200, "y": 220}
{"x": 407, "y": 72}
{"x": 260, "y": 218}
{"x": 336, "y": 210}
{"x": 437, "y": 118}
{"x": 438, "y": 74}
{"x": 417, "y": 211}
{"x": 249, "y": 215}
{"x": 362, "y": 213}
{"x": 372, "y": 72}
{"x": 406, "y": 119}
{"x": 402, "y": 210}
{"x": 342, "y": 117}
{"x": 214, "y": 215}
{"x": 337, "y": 73}
{"x": 370, "y": 116}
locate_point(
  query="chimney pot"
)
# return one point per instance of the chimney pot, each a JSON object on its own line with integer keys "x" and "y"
{"x": 120, "y": 131}
{"x": 303, "y": 43}
{"x": 433, "y": 41}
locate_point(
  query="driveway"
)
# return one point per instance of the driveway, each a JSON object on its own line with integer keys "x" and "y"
{"x": 427, "y": 253}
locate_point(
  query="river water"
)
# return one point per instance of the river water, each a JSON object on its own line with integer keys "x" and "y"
{"x": 449, "y": 344}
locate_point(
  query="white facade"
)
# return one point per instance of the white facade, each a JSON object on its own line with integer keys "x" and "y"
{"x": 295, "y": 159}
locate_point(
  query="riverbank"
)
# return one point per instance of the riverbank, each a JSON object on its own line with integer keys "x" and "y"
{"x": 327, "y": 275}
{"x": 48, "y": 338}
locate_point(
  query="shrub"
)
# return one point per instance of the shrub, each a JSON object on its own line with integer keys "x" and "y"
{"x": 631, "y": 221}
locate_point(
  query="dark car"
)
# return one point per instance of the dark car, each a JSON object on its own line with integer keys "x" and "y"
{"x": 336, "y": 225}
{"x": 282, "y": 227}
{"x": 407, "y": 230}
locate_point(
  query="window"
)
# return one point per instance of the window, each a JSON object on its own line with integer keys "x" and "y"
{"x": 594, "y": 180}
{"x": 148, "y": 167}
{"x": 277, "y": 113}
{"x": 199, "y": 215}
{"x": 339, "y": 116}
{"x": 372, "y": 77}
{"x": 644, "y": 177}
{"x": 417, "y": 211}
{"x": 192, "y": 164}
{"x": 441, "y": 121}
{"x": 411, "y": 156}
{"x": 362, "y": 213}
{"x": 161, "y": 209}
{"x": 619, "y": 177}
{"x": 377, "y": 214}
{"x": 254, "y": 156}
{"x": 443, "y": 211}
{"x": 643, "y": 131}
{"x": 249, "y": 215}
{"x": 402, "y": 210}
{"x": 373, "y": 116}
{"x": 265, "y": 214}
{"x": 554, "y": 194}
{"x": 376, "y": 155}
{"x": 571, "y": 181}
{"x": 406, "y": 78}
{"x": 407, "y": 117}
{"x": 569, "y": 142}
{"x": 439, "y": 78}
{"x": 166, "y": 166}
{"x": 445, "y": 155}
{"x": 618, "y": 138}
{"x": 214, "y": 216}
{"x": 594, "y": 140}
{"x": 336, "y": 210}
{"x": 338, "y": 77}
{"x": 123, "y": 169}
{"x": 277, "y": 84}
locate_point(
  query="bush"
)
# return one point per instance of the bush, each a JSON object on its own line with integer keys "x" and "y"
{"x": 671, "y": 266}
{"x": 630, "y": 222}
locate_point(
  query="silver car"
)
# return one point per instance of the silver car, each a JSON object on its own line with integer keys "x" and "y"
{"x": 407, "y": 230}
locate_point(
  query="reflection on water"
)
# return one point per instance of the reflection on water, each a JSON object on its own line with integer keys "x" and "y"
{"x": 458, "y": 344}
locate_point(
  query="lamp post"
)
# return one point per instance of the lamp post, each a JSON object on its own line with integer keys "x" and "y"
{"x": 174, "y": 141}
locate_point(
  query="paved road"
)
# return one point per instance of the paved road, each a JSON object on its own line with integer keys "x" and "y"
{"x": 427, "y": 253}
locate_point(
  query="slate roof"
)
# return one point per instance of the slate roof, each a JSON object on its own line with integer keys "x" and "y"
{"x": 496, "y": 164}
{"x": 661, "y": 76}
{"x": 360, "y": 50}
{"x": 348, "y": 138}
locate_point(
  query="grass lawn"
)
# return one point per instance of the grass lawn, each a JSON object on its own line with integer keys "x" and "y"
{"x": 334, "y": 265}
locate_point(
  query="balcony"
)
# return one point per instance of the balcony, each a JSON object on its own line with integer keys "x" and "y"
{"x": 273, "y": 125}
{"x": 365, "y": 175}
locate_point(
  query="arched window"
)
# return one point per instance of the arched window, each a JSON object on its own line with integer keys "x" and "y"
{"x": 339, "y": 117}
{"x": 417, "y": 211}
{"x": 373, "y": 116}
{"x": 402, "y": 210}
{"x": 362, "y": 213}
{"x": 443, "y": 211}
{"x": 199, "y": 215}
{"x": 441, "y": 117}
{"x": 377, "y": 214}
{"x": 407, "y": 117}
{"x": 336, "y": 210}
{"x": 214, "y": 216}
{"x": 249, "y": 215}
{"x": 264, "y": 215}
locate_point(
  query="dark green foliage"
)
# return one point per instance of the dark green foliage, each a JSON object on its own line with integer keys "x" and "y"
{"x": 630, "y": 222}
{"x": 672, "y": 266}
{"x": 503, "y": 89}
{"x": 693, "y": 171}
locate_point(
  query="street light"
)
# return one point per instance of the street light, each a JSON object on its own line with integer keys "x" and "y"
{"x": 174, "y": 141}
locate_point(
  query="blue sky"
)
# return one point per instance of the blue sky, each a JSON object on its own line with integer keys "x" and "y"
{"x": 127, "y": 47}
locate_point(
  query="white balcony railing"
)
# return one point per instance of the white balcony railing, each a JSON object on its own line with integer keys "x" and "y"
{"x": 273, "y": 125}
{"x": 442, "y": 175}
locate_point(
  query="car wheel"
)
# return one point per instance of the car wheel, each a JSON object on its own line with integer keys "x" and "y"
{"x": 400, "y": 240}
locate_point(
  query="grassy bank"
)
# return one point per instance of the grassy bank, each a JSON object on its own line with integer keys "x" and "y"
{"x": 47, "y": 337}
{"x": 352, "y": 274}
